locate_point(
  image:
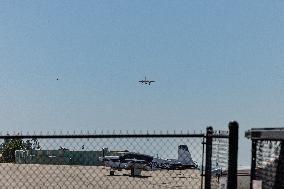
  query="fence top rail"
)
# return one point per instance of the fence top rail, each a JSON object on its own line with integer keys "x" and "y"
{"x": 265, "y": 134}
{"x": 102, "y": 136}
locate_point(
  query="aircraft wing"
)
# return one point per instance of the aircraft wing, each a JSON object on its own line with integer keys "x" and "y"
{"x": 135, "y": 161}
{"x": 137, "y": 164}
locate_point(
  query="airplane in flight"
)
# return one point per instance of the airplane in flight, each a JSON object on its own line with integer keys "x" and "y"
{"x": 145, "y": 81}
{"x": 137, "y": 162}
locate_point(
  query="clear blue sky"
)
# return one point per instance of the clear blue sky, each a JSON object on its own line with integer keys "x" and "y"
{"x": 214, "y": 61}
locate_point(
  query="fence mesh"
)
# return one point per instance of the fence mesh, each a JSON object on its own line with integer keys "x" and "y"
{"x": 219, "y": 160}
{"x": 269, "y": 164}
{"x": 110, "y": 162}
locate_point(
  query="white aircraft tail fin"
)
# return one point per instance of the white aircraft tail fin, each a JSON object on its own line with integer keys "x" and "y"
{"x": 184, "y": 155}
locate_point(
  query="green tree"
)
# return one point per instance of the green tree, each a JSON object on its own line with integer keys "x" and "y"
{"x": 9, "y": 148}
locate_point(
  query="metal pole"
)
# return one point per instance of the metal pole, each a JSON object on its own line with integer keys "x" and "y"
{"x": 202, "y": 164}
{"x": 279, "y": 182}
{"x": 233, "y": 155}
{"x": 253, "y": 161}
{"x": 208, "y": 160}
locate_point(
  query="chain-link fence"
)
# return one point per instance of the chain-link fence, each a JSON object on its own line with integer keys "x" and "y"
{"x": 219, "y": 160}
{"x": 267, "y": 167}
{"x": 102, "y": 161}
{"x": 113, "y": 160}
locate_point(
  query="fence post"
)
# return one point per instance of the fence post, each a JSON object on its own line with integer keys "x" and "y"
{"x": 233, "y": 155}
{"x": 279, "y": 183}
{"x": 253, "y": 162}
{"x": 209, "y": 133}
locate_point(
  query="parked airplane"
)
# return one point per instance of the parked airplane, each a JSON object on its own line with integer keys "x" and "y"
{"x": 135, "y": 161}
{"x": 145, "y": 81}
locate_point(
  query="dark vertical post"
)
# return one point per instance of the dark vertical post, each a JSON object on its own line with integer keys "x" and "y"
{"x": 209, "y": 133}
{"x": 279, "y": 180}
{"x": 202, "y": 164}
{"x": 103, "y": 150}
{"x": 253, "y": 161}
{"x": 233, "y": 155}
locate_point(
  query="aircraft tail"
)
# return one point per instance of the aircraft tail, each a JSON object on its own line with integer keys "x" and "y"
{"x": 184, "y": 155}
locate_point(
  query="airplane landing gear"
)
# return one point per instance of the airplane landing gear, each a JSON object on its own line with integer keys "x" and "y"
{"x": 111, "y": 172}
{"x": 136, "y": 172}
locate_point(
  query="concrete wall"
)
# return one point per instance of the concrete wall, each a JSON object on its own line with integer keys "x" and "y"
{"x": 243, "y": 182}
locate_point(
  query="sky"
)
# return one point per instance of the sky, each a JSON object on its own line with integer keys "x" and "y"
{"x": 213, "y": 62}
